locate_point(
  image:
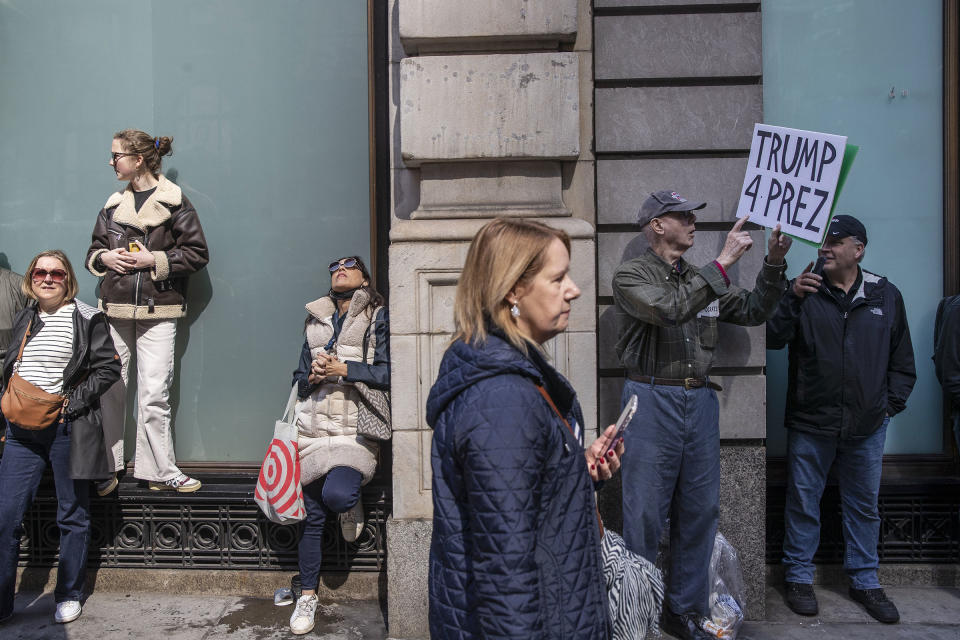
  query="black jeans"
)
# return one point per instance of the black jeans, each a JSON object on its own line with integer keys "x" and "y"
{"x": 332, "y": 494}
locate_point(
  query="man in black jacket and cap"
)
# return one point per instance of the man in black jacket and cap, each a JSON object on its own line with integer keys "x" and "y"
{"x": 850, "y": 369}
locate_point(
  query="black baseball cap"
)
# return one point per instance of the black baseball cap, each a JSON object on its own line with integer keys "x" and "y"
{"x": 665, "y": 201}
{"x": 844, "y": 226}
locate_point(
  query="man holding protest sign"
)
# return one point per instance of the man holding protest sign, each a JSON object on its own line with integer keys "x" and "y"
{"x": 667, "y": 313}
{"x": 851, "y": 368}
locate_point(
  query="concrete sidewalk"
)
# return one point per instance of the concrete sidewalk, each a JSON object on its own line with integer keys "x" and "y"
{"x": 928, "y": 613}
{"x": 154, "y": 616}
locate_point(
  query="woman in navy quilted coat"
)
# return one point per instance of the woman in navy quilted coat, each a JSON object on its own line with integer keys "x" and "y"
{"x": 516, "y": 543}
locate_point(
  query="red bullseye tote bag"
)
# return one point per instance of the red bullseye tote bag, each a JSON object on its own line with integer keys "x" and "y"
{"x": 278, "y": 493}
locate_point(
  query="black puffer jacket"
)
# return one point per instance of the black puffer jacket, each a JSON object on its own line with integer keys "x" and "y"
{"x": 168, "y": 226}
{"x": 516, "y": 545}
{"x": 847, "y": 369}
{"x": 93, "y": 367}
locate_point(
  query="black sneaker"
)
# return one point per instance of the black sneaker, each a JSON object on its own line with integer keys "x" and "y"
{"x": 801, "y": 599}
{"x": 877, "y": 604}
{"x": 105, "y": 487}
{"x": 685, "y": 626}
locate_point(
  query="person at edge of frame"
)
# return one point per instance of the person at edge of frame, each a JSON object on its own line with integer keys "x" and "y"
{"x": 946, "y": 356}
{"x": 850, "y": 369}
{"x": 12, "y": 300}
{"x": 667, "y": 312}
{"x": 60, "y": 346}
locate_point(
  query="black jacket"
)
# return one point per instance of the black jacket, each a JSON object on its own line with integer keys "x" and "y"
{"x": 847, "y": 370}
{"x": 946, "y": 347}
{"x": 94, "y": 366}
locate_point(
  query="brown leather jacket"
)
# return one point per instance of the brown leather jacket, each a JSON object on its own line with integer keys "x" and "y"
{"x": 168, "y": 226}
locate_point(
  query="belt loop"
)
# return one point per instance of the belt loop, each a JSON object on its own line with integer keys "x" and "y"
{"x": 653, "y": 381}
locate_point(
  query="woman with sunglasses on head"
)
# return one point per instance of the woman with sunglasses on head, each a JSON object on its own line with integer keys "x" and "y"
{"x": 62, "y": 350}
{"x": 348, "y": 341}
{"x": 146, "y": 243}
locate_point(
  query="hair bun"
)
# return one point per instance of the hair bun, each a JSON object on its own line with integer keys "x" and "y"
{"x": 164, "y": 145}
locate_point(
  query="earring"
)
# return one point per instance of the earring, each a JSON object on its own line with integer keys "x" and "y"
{"x": 515, "y": 310}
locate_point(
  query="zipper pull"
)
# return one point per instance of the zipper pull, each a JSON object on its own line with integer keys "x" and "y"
{"x": 845, "y": 314}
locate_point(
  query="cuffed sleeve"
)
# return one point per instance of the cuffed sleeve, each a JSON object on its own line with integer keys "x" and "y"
{"x": 161, "y": 270}
{"x": 98, "y": 245}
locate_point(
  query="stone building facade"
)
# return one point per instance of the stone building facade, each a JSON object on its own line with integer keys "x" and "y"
{"x": 495, "y": 110}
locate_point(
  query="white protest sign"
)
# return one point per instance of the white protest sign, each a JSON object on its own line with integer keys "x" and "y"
{"x": 791, "y": 180}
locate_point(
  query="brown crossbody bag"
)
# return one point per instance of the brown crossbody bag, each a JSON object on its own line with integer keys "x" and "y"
{"x": 27, "y": 405}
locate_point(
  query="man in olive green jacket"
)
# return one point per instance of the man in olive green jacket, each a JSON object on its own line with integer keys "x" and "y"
{"x": 667, "y": 313}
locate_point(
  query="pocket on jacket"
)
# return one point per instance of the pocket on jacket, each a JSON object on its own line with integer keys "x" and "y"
{"x": 708, "y": 332}
{"x": 552, "y": 605}
{"x": 116, "y": 239}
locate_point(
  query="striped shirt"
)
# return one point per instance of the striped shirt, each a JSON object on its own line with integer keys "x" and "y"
{"x": 49, "y": 350}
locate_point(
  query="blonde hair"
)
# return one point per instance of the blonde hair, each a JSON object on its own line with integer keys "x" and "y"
{"x": 70, "y": 284}
{"x": 505, "y": 253}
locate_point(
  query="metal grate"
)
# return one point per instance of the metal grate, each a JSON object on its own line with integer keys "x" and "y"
{"x": 919, "y": 524}
{"x": 219, "y": 527}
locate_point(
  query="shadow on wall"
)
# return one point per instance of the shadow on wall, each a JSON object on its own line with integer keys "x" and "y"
{"x": 4, "y": 262}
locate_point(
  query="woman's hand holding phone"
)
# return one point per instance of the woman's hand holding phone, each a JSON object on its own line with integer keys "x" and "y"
{"x": 603, "y": 456}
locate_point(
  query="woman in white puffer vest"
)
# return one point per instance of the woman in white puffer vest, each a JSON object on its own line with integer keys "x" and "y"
{"x": 347, "y": 342}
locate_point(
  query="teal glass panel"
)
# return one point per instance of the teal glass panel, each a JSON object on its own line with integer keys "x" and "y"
{"x": 267, "y": 103}
{"x": 831, "y": 66}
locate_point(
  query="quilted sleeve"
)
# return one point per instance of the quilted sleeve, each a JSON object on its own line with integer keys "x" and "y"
{"x": 502, "y": 451}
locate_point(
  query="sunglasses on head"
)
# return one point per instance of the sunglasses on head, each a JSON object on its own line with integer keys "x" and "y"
{"x": 57, "y": 275}
{"x": 348, "y": 263}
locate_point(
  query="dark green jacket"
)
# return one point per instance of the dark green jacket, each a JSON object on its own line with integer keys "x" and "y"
{"x": 667, "y": 316}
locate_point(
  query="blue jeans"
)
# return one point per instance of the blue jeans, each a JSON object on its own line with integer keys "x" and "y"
{"x": 25, "y": 457}
{"x": 671, "y": 468}
{"x": 858, "y": 464}
{"x": 332, "y": 494}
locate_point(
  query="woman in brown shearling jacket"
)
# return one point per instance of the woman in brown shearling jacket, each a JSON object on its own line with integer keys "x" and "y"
{"x": 146, "y": 242}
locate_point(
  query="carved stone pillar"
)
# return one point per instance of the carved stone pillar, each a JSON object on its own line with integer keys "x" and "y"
{"x": 491, "y": 115}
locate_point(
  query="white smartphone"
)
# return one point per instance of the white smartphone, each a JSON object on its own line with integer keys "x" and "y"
{"x": 625, "y": 417}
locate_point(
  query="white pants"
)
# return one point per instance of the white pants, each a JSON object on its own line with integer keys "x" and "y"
{"x": 153, "y": 340}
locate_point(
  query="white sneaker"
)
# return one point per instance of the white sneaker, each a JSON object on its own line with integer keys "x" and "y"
{"x": 67, "y": 611}
{"x": 180, "y": 483}
{"x": 301, "y": 621}
{"x": 351, "y": 522}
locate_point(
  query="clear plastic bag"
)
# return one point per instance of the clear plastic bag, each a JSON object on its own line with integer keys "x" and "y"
{"x": 727, "y": 593}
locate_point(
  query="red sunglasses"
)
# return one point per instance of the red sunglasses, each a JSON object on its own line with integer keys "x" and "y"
{"x": 57, "y": 275}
